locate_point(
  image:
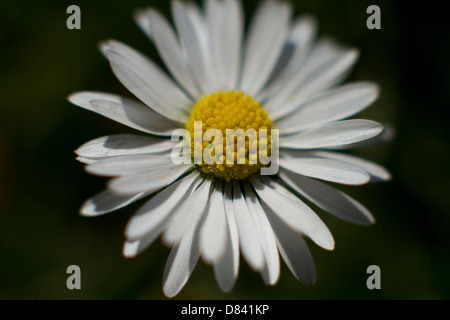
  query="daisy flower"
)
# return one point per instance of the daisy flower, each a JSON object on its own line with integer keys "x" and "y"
{"x": 277, "y": 78}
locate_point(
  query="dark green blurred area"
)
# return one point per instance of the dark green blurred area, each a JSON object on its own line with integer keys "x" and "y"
{"x": 42, "y": 186}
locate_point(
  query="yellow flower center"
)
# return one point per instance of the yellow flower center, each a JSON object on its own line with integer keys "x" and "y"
{"x": 227, "y": 112}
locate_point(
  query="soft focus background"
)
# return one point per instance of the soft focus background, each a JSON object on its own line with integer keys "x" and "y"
{"x": 42, "y": 186}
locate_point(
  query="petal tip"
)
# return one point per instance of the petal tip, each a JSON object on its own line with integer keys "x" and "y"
{"x": 327, "y": 243}
{"x": 87, "y": 209}
{"x": 168, "y": 293}
{"x": 78, "y": 98}
{"x": 310, "y": 282}
{"x": 104, "y": 47}
{"x": 130, "y": 249}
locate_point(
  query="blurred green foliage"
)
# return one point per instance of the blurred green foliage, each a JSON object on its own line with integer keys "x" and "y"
{"x": 42, "y": 186}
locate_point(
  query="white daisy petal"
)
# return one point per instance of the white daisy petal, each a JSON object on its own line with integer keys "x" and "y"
{"x": 151, "y": 220}
{"x": 191, "y": 27}
{"x": 331, "y": 73}
{"x": 333, "y": 105}
{"x": 267, "y": 35}
{"x": 376, "y": 171}
{"x": 328, "y": 198}
{"x": 124, "y": 144}
{"x": 225, "y": 22}
{"x": 133, "y": 248}
{"x": 157, "y": 223}
{"x": 302, "y": 37}
{"x": 155, "y": 213}
{"x": 165, "y": 90}
{"x": 106, "y": 202}
{"x": 130, "y": 113}
{"x": 306, "y": 84}
{"x": 147, "y": 82}
{"x": 271, "y": 271}
{"x": 181, "y": 262}
{"x": 331, "y": 135}
{"x": 226, "y": 270}
{"x": 325, "y": 50}
{"x": 142, "y": 19}
{"x": 293, "y": 249}
{"x": 87, "y": 160}
{"x": 295, "y": 214}
{"x": 148, "y": 181}
{"x": 127, "y": 165}
{"x": 275, "y": 185}
{"x": 171, "y": 52}
{"x": 386, "y": 135}
{"x": 326, "y": 169}
{"x": 213, "y": 233}
{"x": 249, "y": 239}
{"x": 189, "y": 214}
{"x": 300, "y": 42}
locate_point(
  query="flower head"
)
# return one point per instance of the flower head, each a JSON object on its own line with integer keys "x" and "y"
{"x": 281, "y": 84}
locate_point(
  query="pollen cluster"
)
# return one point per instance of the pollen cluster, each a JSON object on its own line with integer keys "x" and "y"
{"x": 229, "y": 110}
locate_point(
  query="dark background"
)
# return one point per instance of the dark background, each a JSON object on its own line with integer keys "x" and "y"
{"x": 42, "y": 186}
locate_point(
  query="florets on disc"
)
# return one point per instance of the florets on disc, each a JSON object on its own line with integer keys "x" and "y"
{"x": 230, "y": 110}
